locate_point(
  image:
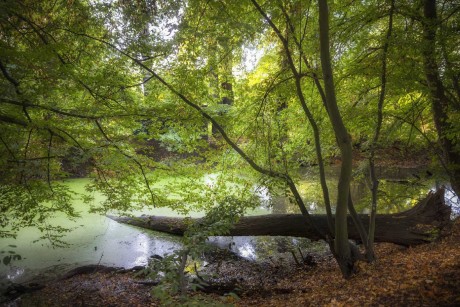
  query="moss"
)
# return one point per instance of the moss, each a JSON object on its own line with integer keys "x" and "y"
{"x": 431, "y": 232}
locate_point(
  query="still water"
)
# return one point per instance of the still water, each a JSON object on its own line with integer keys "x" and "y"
{"x": 100, "y": 240}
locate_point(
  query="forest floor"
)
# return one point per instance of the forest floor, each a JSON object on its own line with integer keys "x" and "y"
{"x": 425, "y": 275}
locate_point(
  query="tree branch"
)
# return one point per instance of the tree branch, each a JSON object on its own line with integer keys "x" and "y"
{"x": 307, "y": 112}
{"x": 57, "y": 111}
{"x": 218, "y": 127}
{"x": 11, "y": 120}
{"x": 129, "y": 157}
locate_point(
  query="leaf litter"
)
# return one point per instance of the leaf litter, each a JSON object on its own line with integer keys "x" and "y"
{"x": 425, "y": 275}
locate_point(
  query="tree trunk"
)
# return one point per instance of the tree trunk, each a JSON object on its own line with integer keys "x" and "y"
{"x": 440, "y": 101}
{"x": 423, "y": 223}
{"x": 342, "y": 250}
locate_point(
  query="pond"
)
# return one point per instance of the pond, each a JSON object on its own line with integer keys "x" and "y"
{"x": 99, "y": 240}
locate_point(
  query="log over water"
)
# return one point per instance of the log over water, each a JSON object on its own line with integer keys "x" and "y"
{"x": 423, "y": 223}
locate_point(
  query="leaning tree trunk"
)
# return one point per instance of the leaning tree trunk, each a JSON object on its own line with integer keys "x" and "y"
{"x": 423, "y": 223}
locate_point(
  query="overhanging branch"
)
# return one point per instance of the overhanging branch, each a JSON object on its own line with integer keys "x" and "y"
{"x": 215, "y": 124}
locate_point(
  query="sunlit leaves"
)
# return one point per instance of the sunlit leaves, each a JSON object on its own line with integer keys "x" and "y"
{"x": 73, "y": 101}
{"x": 35, "y": 205}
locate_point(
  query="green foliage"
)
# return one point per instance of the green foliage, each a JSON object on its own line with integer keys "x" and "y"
{"x": 35, "y": 205}
{"x": 82, "y": 93}
{"x": 170, "y": 271}
{"x": 174, "y": 278}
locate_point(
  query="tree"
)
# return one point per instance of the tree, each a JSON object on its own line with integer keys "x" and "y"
{"x": 341, "y": 245}
{"x": 444, "y": 92}
{"x": 97, "y": 82}
{"x": 56, "y": 105}
{"x": 399, "y": 228}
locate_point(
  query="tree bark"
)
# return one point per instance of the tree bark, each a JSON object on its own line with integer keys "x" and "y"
{"x": 342, "y": 250}
{"x": 423, "y": 223}
{"x": 370, "y": 254}
{"x": 441, "y": 103}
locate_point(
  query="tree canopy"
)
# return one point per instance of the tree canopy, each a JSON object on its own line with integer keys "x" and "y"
{"x": 247, "y": 89}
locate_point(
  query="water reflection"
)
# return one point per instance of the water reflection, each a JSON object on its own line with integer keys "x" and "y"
{"x": 266, "y": 247}
{"x": 98, "y": 240}
{"x": 399, "y": 189}
{"x": 451, "y": 200}
{"x": 15, "y": 272}
{"x": 104, "y": 242}
{"x": 247, "y": 251}
{"x": 263, "y": 194}
{"x": 142, "y": 243}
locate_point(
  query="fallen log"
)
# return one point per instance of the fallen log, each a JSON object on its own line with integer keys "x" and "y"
{"x": 423, "y": 223}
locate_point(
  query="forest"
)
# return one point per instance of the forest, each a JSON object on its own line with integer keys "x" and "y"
{"x": 215, "y": 110}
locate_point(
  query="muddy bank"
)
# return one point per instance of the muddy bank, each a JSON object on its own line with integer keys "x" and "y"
{"x": 220, "y": 271}
{"x": 426, "y": 275}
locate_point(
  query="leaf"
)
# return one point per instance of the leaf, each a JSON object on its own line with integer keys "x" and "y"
{"x": 6, "y": 260}
{"x": 233, "y": 296}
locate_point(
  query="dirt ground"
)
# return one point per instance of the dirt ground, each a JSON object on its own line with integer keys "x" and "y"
{"x": 426, "y": 275}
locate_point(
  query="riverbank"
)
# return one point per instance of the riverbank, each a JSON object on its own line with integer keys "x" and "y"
{"x": 425, "y": 275}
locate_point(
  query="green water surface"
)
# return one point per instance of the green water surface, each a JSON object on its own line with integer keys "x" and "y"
{"x": 97, "y": 239}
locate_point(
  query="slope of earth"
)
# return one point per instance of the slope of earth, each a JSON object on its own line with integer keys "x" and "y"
{"x": 425, "y": 275}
